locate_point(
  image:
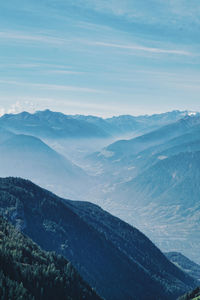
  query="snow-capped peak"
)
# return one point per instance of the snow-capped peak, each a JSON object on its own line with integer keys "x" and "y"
{"x": 192, "y": 113}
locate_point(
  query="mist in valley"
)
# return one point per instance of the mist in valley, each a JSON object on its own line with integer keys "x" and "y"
{"x": 142, "y": 176}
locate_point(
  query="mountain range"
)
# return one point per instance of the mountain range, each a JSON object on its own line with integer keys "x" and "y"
{"x": 48, "y": 124}
{"x": 142, "y": 169}
{"x": 156, "y": 177}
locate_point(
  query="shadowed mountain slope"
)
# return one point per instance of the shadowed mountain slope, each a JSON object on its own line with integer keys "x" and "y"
{"x": 29, "y": 157}
{"x": 152, "y": 182}
{"x": 127, "y": 148}
{"x": 113, "y": 257}
{"x": 185, "y": 264}
{"x": 166, "y": 197}
{"x": 27, "y": 272}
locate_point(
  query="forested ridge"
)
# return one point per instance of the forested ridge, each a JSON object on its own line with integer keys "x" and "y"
{"x": 27, "y": 272}
{"x": 194, "y": 295}
{"x": 111, "y": 256}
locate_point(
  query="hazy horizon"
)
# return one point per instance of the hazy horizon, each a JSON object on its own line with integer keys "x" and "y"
{"x": 190, "y": 112}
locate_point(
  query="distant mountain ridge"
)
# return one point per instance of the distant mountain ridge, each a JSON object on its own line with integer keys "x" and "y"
{"x": 115, "y": 258}
{"x": 48, "y": 124}
{"x": 153, "y": 138}
{"x": 185, "y": 264}
{"x": 150, "y": 180}
{"x": 29, "y": 157}
{"x": 167, "y": 193}
{"x": 156, "y": 176}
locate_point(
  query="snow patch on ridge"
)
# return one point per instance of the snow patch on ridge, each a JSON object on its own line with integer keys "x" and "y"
{"x": 192, "y": 113}
{"x": 161, "y": 157}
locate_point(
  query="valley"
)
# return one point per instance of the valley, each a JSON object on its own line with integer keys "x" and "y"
{"x": 148, "y": 176}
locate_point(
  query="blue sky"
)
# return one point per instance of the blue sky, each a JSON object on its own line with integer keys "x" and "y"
{"x": 100, "y": 57}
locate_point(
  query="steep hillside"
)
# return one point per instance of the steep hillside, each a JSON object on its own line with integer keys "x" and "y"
{"x": 115, "y": 258}
{"x": 185, "y": 264}
{"x": 127, "y": 148}
{"x": 29, "y": 157}
{"x": 27, "y": 272}
{"x": 123, "y": 160}
{"x": 152, "y": 182}
{"x": 188, "y": 142}
{"x": 172, "y": 180}
{"x": 164, "y": 197}
{"x": 5, "y": 135}
{"x": 194, "y": 295}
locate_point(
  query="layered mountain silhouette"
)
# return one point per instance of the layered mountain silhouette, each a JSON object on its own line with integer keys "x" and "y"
{"x": 48, "y": 124}
{"x": 76, "y": 136}
{"x": 152, "y": 181}
{"x": 5, "y": 134}
{"x": 29, "y": 157}
{"x": 168, "y": 194}
{"x": 112, "y": 256}
{"x": 127, "y": 149}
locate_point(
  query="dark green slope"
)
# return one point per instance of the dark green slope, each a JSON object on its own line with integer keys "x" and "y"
{"x": 115, "y": 258}
{"x": 194, "y": 295}
{"x": 27, "y": 272}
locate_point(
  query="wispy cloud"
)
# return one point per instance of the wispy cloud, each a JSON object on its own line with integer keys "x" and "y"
{"x": 69, "y": 106}
{"x": 142, "y": 48}
{"x": 19, "y": 66}
{"x": 52, "y": 86}
{"x": 149, "y": 12}
{"x": 19, "y": 106}
{"x": 42, "y": 68}
{"x": 64, "y": 72}
{"x": 26, "y": 37}
{"x": 47, "y": 39}
{"x": 28, "y": 65}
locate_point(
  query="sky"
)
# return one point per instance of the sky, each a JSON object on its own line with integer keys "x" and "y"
{"x": 100, "y": 57}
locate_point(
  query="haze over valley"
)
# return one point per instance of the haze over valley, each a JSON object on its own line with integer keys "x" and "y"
{"x": 149, "y": 178}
